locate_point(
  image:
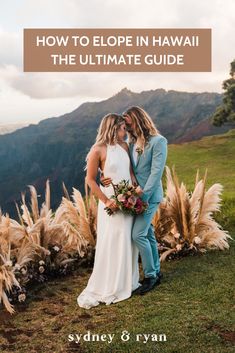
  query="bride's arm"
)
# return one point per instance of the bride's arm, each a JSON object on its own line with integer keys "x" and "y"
{"x": 91, "y": 175}
{"x": 92, "y": 171}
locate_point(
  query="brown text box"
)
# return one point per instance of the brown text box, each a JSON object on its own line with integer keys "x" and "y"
{"x": 75, "y": 50}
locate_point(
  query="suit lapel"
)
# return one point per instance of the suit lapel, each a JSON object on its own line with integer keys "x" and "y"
{"x": 131, "y": 154}
{"x": 131, "y": 148}
{"x": 138, "y": 159}
{"x": 146, "y": 151}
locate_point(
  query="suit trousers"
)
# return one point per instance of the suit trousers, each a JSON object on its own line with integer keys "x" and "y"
{"x": 144, "y": 237}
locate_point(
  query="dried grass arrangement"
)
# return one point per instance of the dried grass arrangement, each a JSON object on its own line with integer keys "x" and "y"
{"x": 184, "y": 222}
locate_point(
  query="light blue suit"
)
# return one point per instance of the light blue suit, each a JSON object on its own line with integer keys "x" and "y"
{"x": 148, "y": 171}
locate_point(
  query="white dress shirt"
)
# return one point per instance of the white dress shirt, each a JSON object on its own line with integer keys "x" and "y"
{"x": 135, "y": 154}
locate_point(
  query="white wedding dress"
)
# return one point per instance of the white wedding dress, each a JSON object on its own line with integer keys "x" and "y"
{"x": 115, "y": 273}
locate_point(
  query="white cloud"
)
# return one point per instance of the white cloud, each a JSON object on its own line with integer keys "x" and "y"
{"x": 10, "y": 48}
{"x": 17, "y": 107}
{"x": 30, "y": 91}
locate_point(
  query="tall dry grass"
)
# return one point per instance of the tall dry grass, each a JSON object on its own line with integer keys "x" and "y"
{"x": 184, "y": 222}
{"x": 43, "y": 241}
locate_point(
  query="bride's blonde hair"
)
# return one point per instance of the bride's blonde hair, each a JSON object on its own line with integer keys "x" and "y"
{"x": 143, "y": 126}
{"x": 107, "y": 131}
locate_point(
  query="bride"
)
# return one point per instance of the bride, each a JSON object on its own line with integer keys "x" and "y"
{"x": 115, "y": 273}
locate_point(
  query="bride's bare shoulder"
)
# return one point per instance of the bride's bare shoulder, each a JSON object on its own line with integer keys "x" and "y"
{"x": 97, "y": 148}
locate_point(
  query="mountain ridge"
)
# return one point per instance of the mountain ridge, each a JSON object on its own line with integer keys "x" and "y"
{"x": 56, "y": 147}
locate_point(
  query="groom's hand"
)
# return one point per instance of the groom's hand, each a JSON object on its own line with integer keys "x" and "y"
{"x": 105, "y": 181}
{"x": 139, "y": 191}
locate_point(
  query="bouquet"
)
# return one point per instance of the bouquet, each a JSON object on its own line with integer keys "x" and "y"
{"x": 127, "y": 199}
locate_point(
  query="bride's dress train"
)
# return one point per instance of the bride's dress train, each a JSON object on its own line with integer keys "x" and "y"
{"x": 115, "y": 273}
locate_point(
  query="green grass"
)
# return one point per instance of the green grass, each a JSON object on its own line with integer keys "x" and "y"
{"x": 216, "y": 153}
{"x": 193, "y": 306}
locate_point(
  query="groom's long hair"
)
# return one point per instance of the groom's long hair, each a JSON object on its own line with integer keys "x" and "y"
{"x": 143, "y": 126}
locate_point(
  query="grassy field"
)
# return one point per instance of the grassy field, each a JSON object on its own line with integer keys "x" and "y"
{"x": 193, "y": 306}
{"x": 216, "y": 153}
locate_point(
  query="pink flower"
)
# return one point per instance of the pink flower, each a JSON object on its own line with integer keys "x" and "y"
{"x": 132, "y": 200}
{"x": 126, "y": 204}
{"x": 139, "y": 202}
{"x": 121, "y": 198}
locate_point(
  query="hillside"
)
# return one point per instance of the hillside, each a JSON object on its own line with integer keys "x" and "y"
{"x": 215, "y": 153}
{"x": 56, "y": 147}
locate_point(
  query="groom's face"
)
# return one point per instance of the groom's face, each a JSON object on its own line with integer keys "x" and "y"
{"x": 129, "y": 123}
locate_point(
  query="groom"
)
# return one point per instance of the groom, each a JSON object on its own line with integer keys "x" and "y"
{"x": 148, "y": 152}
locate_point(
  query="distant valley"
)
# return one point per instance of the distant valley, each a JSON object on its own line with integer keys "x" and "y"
{"x": 8, "y": 128}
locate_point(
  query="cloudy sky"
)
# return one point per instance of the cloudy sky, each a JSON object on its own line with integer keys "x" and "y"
{"x": 31, "y": 97}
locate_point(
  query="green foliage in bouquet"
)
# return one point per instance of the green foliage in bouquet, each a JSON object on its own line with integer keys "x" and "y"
{"x": 127, "y": 199}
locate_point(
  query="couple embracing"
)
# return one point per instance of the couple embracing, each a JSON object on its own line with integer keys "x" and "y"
{"x": 122, "y": 237}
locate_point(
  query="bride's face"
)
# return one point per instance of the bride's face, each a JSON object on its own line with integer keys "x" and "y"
{"x": 121, "y": 133}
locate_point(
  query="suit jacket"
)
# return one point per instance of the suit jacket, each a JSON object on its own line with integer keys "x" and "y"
{"x": 149, "y": 168}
